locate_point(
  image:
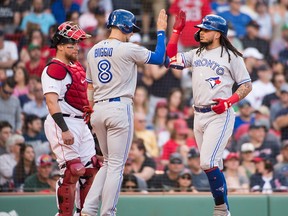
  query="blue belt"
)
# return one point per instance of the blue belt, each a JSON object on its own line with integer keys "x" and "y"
{"x": 109, "y": 100}
{"x": 203, "y": 109}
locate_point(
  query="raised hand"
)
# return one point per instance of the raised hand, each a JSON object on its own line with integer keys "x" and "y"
{"x": 179, "y": 22}
{"x": 162, "y": 21}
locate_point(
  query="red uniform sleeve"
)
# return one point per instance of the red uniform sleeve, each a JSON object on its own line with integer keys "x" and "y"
{"x": 56, "y": 71}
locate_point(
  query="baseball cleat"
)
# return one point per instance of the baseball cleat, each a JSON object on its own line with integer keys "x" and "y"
{"x": 221, "y": 210}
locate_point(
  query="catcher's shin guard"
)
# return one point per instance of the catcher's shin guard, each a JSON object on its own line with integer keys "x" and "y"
{"x": 67, "y": 186}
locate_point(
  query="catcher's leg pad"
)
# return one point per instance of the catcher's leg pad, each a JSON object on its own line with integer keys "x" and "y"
{"x": 66, "y": 189}
{"x": 84, "y": 188}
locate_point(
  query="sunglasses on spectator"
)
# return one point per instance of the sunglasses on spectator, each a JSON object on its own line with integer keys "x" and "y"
{"x": 7, "y": 92}
{"x": 186, "y": 177}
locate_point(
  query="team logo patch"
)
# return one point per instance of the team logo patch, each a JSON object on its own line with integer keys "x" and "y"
{"x": 213, "y": 81}
{"x": 220, "y": 189}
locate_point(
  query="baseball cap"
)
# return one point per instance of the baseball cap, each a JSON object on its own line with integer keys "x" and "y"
{"x": 232, "y": 155}
{"x": 263, "y": 67}
{"x": 284, "y": 88}
{"x": 180, "y": 126}
{"x": 193, "y": 153}
{"x": 33, "y": 46}
{"x": 257, "y": 159}
{"x": 176, "y": 158}
{"x": 261, "y": 123}
{"x": 264, "y": 110}
{"x": 252, "y": 52}
{"x": 243, "y": 103}
{"x": 253, "y": 23}
{"x": 185, "y": 171}
{"x": 15, "y": 139}
{"x": 247, "y": 147}
{"x": 44, "y": 160}
{"x": 161, "y": 103}
{"x": 231, "y": 33}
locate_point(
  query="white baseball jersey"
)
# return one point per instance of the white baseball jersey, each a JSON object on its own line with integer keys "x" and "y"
{"x": 212, "y": 75}
{"x": 114, "y": 73}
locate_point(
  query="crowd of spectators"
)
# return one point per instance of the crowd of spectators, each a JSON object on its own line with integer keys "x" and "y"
{"x": 164, "y": 154}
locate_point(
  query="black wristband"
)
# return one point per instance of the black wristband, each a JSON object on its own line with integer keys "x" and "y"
{"x": 58, "y": 118}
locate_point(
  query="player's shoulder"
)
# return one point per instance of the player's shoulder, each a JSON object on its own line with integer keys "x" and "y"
{"x": 56, "y": 70}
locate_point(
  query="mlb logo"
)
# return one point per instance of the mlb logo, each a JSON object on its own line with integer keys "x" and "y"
{"x": 213, "y": 81}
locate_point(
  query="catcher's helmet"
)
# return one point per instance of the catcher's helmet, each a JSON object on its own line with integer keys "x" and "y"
{"x": 124, "y": 20}
{"x": 68, "y": 32}
{"x": 214, "y": 22}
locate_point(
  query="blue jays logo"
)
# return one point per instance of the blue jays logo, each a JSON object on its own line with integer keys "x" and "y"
{"x": 220, "y": 189}
{"x": 213, "y": 81}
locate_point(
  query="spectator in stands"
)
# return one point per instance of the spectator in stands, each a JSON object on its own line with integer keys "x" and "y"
{"x": 39, "y": 180}
{"x": 281, "y": 104}
{"x": 236, "y": 42}
{"x": 9, "y": 161}
{"x": 261, "y": 87}
{"x": 36, "y": 64}
{"x": 130, "y": 184}
{"x": 219, "y": 6}
{"x": 25, "y": 167}
{"x": 143, "y": 166}
{"x": 141, "y": 100}
{"x": 109, "y": 6}
{"x": 246, "y": 157}
{"x": 168, "y": 180}
{"x": 252, "y": 39}
{"x": 8, "y": 54}
{"x": 264, "y": 19}
{"x": 199, "y": 178}
{"x": 194, "y": 14}
{"x": 281, "y": 122}
{"x": 279, "y": 44}
{"x": 36, "y": 37}
{"x": 175, "y": 102}
{"x": 237, "y": 19}
{"x": 253, "y": 59}
{"x": 265, "y": 180}
{"x": 52, "y": 181}
{"x": 60, "y": 8}
{"x": 21, "y": 78}
{"x": 88, "y": 19}
{"x": 279, "y": 14}
{"x": 150, "y": 9}
{"x": 245, "y": 115}
{"x": 179, "y": 142}
{"x": 34, "y": 135}
{"x": 37, "y": 106}
{"x": 164, "y": 79}
{"x": 7, "y": 13}
{"x": 39, "y": 17}
{"x": 236, "y": 178}
{"x": 5, "y": 133}
{"x": 185, "y": 182}
{"x": 149, "y": 136}
{"x": 3, "y": 76}
{"x": 282, "y": 167}
{"x": 10, "y": 106}
{"x": 265, "y": 143}
{"x": 33, "y": 80}
{"x": 21, "y": 8}
{"x": 278, "y": 79}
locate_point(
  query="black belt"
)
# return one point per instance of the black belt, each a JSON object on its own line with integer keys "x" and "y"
{"x": 203, "y": 109}
{"x": 109, "y": 100}
{"x": 72, "y": 116}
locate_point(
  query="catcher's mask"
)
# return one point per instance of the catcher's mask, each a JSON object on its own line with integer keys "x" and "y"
{"x": 68, "y": 32}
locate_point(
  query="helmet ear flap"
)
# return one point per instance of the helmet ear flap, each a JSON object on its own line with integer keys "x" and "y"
{"x": 197, "y": 36}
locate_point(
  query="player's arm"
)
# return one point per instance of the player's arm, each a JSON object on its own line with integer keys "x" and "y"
{"x": 223, "y": 104}
{"x": 157, "y": 57}
{"x": 90, "y": 93}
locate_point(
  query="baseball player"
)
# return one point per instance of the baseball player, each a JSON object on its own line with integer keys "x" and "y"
{"x": 111, "y": 77}
{"x": 215, "y": 66}
{"x": 65, "y": 88}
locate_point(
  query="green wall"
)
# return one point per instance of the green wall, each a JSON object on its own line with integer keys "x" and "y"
{"x": 156, "y": 205}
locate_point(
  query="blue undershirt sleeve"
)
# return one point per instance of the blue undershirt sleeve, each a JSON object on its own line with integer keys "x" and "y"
{"x": 157, "y": 57}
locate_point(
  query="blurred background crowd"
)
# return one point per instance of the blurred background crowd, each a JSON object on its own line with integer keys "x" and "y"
{"x": 164, "y": 154}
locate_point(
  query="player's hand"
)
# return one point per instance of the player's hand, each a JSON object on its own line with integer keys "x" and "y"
{"x": 68, "y": 138}
{"x": 87, "y": 113}
{"x": 221, "y": 106}
{"x": 162, "y": 21}
{"x": 179, "y": 22}
{"x": 176, "y": 62}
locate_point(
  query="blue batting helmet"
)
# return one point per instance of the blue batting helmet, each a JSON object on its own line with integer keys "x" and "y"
{"x": 124, "y": 20}
{"x": 215, "y": 23}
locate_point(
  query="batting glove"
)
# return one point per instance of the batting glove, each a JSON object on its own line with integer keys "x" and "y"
{"x": 87, "y": 111}
{"x": 224, "y": 104}
{"x": 179, "y": 22}
{"x": 177, "y": 62}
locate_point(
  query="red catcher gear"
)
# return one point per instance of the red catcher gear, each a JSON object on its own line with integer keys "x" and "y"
{"x": 66, "y": 190}
{"x": 76, "y": 94}
{"x": 84, "y": 188}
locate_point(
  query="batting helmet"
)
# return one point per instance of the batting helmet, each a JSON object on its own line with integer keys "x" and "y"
{"x": 124, "y": 20}
{"x": 214, "y": 22}
{"x": 68, "y": 32}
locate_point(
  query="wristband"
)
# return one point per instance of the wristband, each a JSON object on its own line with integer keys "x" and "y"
{"x": 58, "y": 118}
{"x": 234, "y": 98}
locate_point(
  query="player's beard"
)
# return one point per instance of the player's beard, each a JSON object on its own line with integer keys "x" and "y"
{"x": 206, "y": 44}
{"x": 71, "y": 57}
